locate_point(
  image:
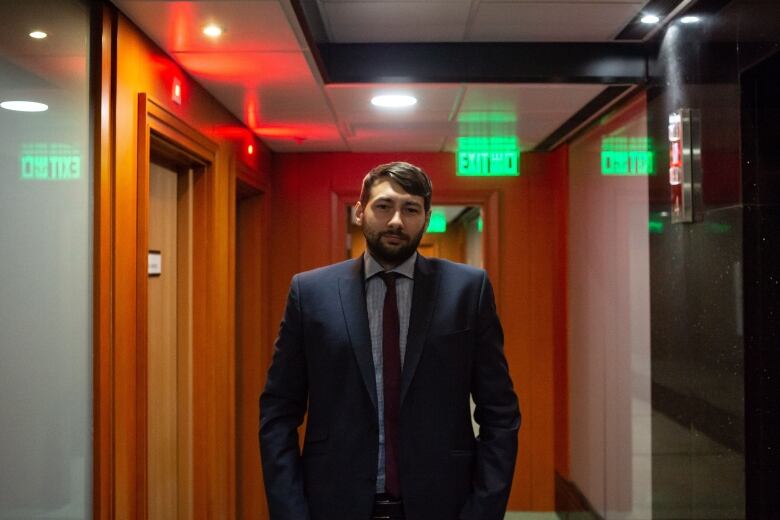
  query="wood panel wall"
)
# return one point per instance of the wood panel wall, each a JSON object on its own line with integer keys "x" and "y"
{"x": 527, "y": 274}
{"x": 130, "y": 65}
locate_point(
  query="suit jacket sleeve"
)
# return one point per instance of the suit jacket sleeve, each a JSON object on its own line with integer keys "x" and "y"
{"x": 282, "y": 408}
{"x": 497, "y": 414}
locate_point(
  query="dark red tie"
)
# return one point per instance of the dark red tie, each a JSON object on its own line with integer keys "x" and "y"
{"x": 391, "y": 375}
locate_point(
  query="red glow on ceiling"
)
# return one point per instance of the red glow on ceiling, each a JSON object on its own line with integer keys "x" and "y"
{"x": 251, "y": 110}
{"x": 184, "y": 23}
{"x": 279, "y": 131}
{"x": 231, "y": 132}
{"x": 299, "y": 132}
{"x": 247, "y": 68}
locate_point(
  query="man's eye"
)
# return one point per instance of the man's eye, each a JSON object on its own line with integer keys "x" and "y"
{"x": 412, "y": 211}
{"x": 382, "y": 207}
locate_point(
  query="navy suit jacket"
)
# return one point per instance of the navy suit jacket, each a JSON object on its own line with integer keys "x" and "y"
{"x": 322, "y": 367}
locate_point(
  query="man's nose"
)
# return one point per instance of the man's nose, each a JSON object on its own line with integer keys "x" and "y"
{"x": 396, "y": 221}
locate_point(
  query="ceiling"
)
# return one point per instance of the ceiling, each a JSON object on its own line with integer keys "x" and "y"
{"x": 266, "y": 68}
{"x": 477, "y": 20}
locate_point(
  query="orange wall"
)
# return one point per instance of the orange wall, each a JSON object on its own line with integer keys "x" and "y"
{"x": 142, "y": 68}
{"x": 528, "y": 282}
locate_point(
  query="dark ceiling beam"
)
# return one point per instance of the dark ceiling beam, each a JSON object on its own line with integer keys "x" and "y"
{"x": 607, "y": 63}
{"x": 310, "y": 20}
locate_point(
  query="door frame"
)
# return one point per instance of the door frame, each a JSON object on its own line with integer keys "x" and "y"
{"x": 166, "y": 134}
{"x": 252, "y": 357}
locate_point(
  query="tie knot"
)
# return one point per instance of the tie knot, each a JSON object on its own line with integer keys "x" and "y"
{"x": 389, "y": 277}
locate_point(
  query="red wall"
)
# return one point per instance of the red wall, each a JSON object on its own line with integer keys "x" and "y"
{"x": 528, "y": 282}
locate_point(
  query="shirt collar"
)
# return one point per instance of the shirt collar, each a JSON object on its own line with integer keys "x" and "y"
{"x": 372, "y": 267}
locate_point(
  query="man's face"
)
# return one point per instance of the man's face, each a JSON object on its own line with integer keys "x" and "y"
{"x": 393, "y": 222}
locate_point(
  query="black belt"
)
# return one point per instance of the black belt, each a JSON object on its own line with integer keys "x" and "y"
{"x": 388, "y": 508}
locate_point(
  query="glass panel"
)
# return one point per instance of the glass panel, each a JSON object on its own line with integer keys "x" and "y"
{"x": 609, "y": 315}
{"x": 45, "y": 262}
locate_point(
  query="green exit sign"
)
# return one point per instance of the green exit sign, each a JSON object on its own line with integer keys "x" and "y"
{"x": 487, "y": 163}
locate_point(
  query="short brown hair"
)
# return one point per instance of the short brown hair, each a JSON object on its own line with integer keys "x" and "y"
{"x": 411, "y": 178}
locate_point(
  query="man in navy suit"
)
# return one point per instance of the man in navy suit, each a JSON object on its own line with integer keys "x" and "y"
{"x": 381, "y": 354}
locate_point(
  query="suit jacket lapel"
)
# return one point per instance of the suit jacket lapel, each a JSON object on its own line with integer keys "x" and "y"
{"x": 426, "y": 282}
{"x": 353, "y": 303}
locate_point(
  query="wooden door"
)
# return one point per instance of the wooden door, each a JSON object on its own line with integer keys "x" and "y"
{"x": 169, "y": 346}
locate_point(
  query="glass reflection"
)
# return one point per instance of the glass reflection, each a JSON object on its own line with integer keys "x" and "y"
{"x": 45, "y": 262}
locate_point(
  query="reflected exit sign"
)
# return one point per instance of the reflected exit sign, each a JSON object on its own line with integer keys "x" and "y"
{"x": 487, "y": 163}
{"x": 49, "y": 162}
{"x": 626, "y": 156}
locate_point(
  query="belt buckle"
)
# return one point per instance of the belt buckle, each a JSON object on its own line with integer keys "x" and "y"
{"x": 387, "y": 507}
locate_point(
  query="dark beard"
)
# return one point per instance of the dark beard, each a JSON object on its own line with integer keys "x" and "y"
{"x": 391, "y": 256}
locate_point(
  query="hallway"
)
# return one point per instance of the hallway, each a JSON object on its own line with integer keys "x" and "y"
{"x": 168, "y": 167}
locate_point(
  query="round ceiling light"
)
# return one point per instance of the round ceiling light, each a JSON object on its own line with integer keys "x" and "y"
{"x": 690, "y": 19}
{"x": 213, "y": 30}
{"x": 393, "y": 100}
{"x": 38, "y": 35}
{"x": 650, "y": 19}
{"x": 24, "y": 106}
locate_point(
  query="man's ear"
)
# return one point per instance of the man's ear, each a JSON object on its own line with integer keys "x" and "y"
{"x": 358, "y": 213}
{"x": 427, "y": 218}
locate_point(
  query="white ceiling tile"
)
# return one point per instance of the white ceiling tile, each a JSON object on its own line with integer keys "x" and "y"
{"x": 535, "y": 126}
{"x": 356, "y": 98}
{"x": 260, "y": 86}
{"x": 551, "y": 21}
{"x": 300, "y": 133}
{"x": 528, "y": 112}
{"x": 396, "y": 143}
{"x": 249, "y": 26}
{"x": 256, "y": 106}
{"x": 310, "y": 144}
{"x": 426, "y": 123}
{"x": 528, "y": 98}
{"x": 399, "y": 119}
{"x": 287, "y": 69}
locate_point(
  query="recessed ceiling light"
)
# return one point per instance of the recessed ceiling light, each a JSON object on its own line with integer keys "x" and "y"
{"x": 213, "y": 30}
{"x": 690, "y": 19}
{"x": 393, "y": 100}
{"x": 38, "y": 35}
{"x": 650, "y": 19}
{"x": 24, "y": 106}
